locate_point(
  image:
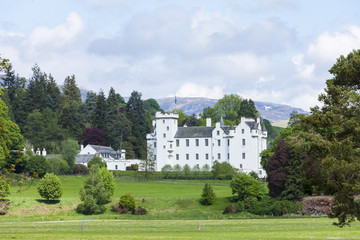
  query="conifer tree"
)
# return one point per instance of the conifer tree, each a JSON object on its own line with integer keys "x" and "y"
{"x": 208, "y": 195}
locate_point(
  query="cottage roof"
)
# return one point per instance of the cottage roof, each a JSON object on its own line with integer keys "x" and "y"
{"x": 84, "y": 158}
{"x": 102, "y": 148}
{"x": 194, "y": 132}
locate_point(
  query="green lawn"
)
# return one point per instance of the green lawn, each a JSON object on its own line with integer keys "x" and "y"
{"x": 173, "y": 213}
{"x": 294, "y": 228}
{"x": 163, "y": 200}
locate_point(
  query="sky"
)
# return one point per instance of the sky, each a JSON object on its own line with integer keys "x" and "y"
{"x": 276, "y": 51}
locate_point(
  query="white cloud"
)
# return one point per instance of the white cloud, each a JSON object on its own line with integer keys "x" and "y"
{"x": 305, "y": 71}
{"x": 329, "y": 46}
{"x": 48, "y": 39}
{"x": 195, "y": 90}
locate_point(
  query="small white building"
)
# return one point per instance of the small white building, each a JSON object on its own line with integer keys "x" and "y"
{"x": 239, "y": 145}
{"x": 115, "y": 160}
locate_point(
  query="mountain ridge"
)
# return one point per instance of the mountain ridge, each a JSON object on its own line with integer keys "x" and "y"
{"x": 273, "y": 112}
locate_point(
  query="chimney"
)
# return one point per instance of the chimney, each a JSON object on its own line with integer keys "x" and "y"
{"x": 208, "y": 122}
{"x": 81, "y": 147}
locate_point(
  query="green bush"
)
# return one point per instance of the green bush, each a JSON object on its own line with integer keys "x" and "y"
{"x": 93, "y": 193}
{"x": 127, "y": 201}
{"x": 96, "y": 160}
{"x": 268, "y": 206}
{"x": 108, "y": 180}
{"x": 244, "y": 186}
{"x": 81, "y": 169}
{"x": 4, "y": 186}
{"x": 39, "y": 164}
{"x": 59, "y": 166}
{"x": 208, "y": 195}
{"x": 135, "y": 167}
{"x": 50, "y": 187}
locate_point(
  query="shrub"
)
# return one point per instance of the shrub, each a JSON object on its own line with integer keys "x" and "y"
{"x": 139, "y": 211}
{"x": 81, "y": 169}
{"x": 4, "y": 186}
{"x": 59, "y": 166}
{"x": 93, "y": 194}
{"x": 229, "y": 209}
{"x": 108, "y": 180}
{"x": 223, "y": 168}
{"x": 4, "y": 205}
{"x": 39, "y": 164}
{"x": 208, "y": 195}
{"x": 135, "y": 167}
{"x": 50, "y": 187}
{"x": 117, "y": 208}
{"x": 245, "y": 186}
{"x": 96, "y": 160}
{"x": 127, "y": 201}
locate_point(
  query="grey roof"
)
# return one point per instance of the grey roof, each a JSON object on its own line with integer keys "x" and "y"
{"x": 222, "y": 124}
{"x": 102, "y": 148}
{"x": 85, "y": 158}
{"x": 263, "y": 128}
{"x": 194, "y": 132}
{"x": 252, "y": 124}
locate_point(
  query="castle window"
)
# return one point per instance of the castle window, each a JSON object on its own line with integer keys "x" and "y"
{"x": 177, "y": 156}
{"x": 197, "y": 142}
{"x": 167, "y": 128}
{"x": 242, "y": 131}
{"x": 219, "y": 143}
{"x": 154, "y": 144}
{"x": 260, "y": 172}
{"x": 228, "y": 142}
{"x": 218, "y": 132}
{"x": 164, "y": 147}
{"x": 219, "y": 156}
{"x": 243, "y": 142}
{"x": 154, "y": 157}
{"x": 241, "y": 166}
{"x": 115, "y": 167}
{"x": 177, "y": 142}
{"x": 164, "y": 135}
{"x": 187, "y": 142}
{"x": 197, "y": 156}
{"x": 243, "y": 156}
{"x": 170, "y": 146}
{"x": 228, "y": 155}
{"x": 187, "y": 156}
{"x": 163, "y": 121}
{"x": 207, "y": 156}
{"x": 206, "y": 142}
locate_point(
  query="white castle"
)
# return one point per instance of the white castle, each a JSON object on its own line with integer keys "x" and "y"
{"x": 239, "y": 145}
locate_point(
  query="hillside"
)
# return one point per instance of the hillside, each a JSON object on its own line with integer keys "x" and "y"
{"x": 271, "y": 111}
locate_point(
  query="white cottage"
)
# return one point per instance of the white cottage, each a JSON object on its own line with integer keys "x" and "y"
{"x": 115, "y": 160}
{"x": 239, "y": 145}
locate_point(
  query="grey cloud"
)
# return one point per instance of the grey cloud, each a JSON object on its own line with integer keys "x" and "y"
{"x": 168, "y": 31}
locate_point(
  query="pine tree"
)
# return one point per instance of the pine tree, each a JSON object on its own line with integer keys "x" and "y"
{"x": 208, "y": 195}
{"x": 71, "y": 91}
{"x": 99, "y": 115}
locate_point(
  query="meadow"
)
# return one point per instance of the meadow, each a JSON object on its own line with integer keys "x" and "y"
{"x": 173, "y": 213}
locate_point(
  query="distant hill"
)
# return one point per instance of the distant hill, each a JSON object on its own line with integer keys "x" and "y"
{"x": 271, "y": 111}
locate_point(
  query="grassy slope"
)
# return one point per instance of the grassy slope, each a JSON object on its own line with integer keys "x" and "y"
{"x": 164, "y": 200}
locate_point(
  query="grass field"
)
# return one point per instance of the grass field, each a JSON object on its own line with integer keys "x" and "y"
{"x": 163, "y": 200}
{"x": 173, "y": 213}
{"x": 294, "y": 228}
